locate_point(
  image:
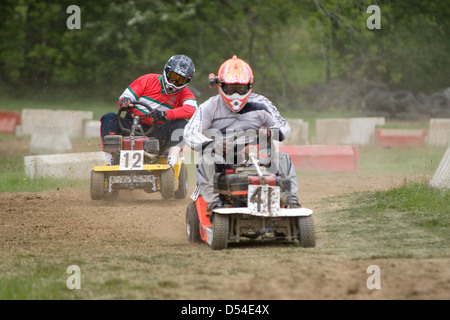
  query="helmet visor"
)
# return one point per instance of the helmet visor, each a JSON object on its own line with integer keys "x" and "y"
{"x": 176, "y": 79}
{"x": 229, "y": 89}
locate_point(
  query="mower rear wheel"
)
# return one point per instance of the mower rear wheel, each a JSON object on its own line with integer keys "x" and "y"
{"x": 192, "y": 223}
{"x": 182, "y": 191}
{"x": 307, "y": 233}
{"x": 167, "y": 184}
{"x": 220, "y": 226}
{"x": 97, "y": 185}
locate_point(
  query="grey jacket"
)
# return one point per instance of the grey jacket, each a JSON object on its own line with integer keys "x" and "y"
{"x": 214, "y": 117}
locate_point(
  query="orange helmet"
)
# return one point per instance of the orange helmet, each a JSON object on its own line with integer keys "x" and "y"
{"x": 235, "y": 80}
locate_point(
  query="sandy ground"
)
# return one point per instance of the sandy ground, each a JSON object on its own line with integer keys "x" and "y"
{"x": 67, "y": 220}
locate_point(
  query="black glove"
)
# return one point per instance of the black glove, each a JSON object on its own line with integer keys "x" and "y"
{"x": 158, "y": 115}
{"x": 125, "y": 102}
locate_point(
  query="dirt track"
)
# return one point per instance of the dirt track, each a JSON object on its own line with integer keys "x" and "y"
{"x": 145, "y": 236}
{"x": 58, "y": 222}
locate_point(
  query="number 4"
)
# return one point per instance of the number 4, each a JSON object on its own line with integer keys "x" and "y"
{"x": 257, "y": 196}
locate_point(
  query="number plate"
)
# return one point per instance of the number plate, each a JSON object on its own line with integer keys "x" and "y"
{"x": 131, "y": 160}
{"x": 264, "y": 200}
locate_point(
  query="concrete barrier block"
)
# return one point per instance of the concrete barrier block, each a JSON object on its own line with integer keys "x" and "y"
{"x": 46, "y": 140}
{"x": 352, "y": 131}
{"x": 76, "y": 121}
{"x": 71, "y": 121}
{"x": 8, "y": 125}
{"x": 401, "y": 137}
{"x": 33, "y": 118}
{"x": 299, "y": 132}
{"x": 92, "y": 129}
{"x": 76, "y": 166}
{"x": 438, "y": 132}
{"x": 441, "y": 178}
{"x": 8, "y": 121}
{"x": 323, "y": 158}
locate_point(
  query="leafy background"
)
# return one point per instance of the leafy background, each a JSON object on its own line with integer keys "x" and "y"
{"x": 290, "y": 45}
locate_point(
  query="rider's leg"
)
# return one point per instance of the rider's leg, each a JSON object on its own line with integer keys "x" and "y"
{"x": 170, "y": 136}
{"x": 205, "y": 182}
{"x": 172, "y": 157}
{"x": 284, "y": 168}
{"x": 108, "y": 124}
{"x": 287, "y": 170}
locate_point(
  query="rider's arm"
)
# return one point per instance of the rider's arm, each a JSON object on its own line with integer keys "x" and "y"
{"x": 188, "y": 105}
{"x": 185, "y": 112}
{"x": 194, "y": 132}
{"x": 135, "y": 89}
{"x": 278, "y": 126}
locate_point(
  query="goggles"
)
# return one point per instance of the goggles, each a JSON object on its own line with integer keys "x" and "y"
{"x": 229, "y": 89}
{"x": 179, "y": 80}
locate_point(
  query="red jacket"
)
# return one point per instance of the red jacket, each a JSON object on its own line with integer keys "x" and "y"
{"x": 149, "y": 90}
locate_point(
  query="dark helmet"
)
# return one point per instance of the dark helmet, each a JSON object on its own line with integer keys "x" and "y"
{"x": 178, "y": 72}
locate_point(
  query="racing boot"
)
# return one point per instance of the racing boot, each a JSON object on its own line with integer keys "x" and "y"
{"x": 174, "y": 153}
{"x": 215, "y": 205}
{"x": 108, "y": 159}
{"x": 292, "y": 202}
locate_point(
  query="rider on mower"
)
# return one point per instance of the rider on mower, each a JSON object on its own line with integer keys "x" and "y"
{"x": 170, "y": 105}
{"x": 236, "y": 108}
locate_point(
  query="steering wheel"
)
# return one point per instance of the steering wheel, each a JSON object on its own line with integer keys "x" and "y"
{"x": 138, "y": 128}
{"x": 235, "y": 143}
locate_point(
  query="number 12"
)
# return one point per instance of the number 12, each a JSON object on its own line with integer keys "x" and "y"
{"x": 136, "y": 156}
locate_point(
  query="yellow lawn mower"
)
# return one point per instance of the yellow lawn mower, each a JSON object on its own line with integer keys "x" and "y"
{"x": 138, "y": 163}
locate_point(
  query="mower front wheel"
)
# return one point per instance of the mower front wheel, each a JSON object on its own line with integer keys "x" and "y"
{"x": 220, "y": 226}
{"x": 97, "y": 185}
{"x": 167, "y": 184}
{"x": 307, "y": 233}
{"x": 182, "y": 191}
{"x": 192, "y": 223}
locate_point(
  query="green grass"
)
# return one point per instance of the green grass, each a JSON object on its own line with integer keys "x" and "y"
{"x": 98, "y": 107}
{"x": 29, "y": 276}
{"x": 407, "y": 161}
{"x": 13, "y": 179}
{"x": 12, "y": 171}
{"x": 411, "y": 125}
{"x": 412, "y": 220}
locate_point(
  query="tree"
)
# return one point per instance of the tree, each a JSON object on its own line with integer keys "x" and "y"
{"x": 288, "y": 43}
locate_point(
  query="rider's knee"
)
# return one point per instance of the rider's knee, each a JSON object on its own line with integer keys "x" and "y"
{"x": 108, "y": 117}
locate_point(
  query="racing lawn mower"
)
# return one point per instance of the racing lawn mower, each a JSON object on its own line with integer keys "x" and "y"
{"x": 255, "y": 206}
{"x": 138, "y": 163}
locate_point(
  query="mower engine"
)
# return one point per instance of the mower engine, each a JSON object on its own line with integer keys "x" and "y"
{"x": 232, "y": 185}
{"x": 115, "y": 143}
